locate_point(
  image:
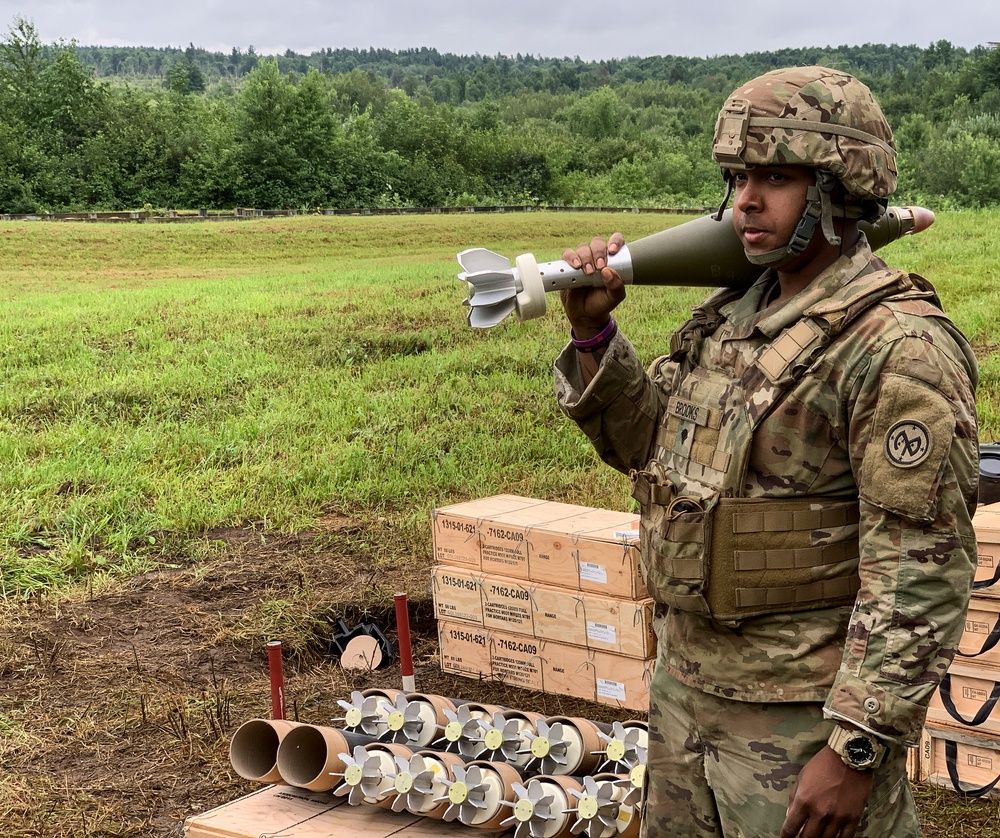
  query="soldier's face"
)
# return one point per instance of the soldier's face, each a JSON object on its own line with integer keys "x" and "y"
{"x": 768, "y": 203}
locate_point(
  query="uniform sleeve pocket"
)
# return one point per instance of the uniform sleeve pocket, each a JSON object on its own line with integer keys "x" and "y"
{"x": 911, "y": 437}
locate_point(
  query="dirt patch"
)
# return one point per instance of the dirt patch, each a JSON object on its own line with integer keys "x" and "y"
{"x": 119, "y": 705}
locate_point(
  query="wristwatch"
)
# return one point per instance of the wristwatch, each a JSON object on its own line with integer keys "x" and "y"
{"x": 859, "y": 750}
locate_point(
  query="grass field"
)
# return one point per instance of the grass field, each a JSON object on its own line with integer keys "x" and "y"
{"x": 214, "y": 434}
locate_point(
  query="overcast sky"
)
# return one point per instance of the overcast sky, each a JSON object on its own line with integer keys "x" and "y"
{"x": 589, "y": 29}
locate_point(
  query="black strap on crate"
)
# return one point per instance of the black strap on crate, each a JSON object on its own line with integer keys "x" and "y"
{"x": 986, "y": 583}
{"x": 983, "y": 713}
{"x": 951, "y": 759}
{"x": 990, "y": 642}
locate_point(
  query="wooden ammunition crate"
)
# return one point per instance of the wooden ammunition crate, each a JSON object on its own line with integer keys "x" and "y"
{"x": 610, "y": 624}
{"x": 918, "y": 760}
{"x": 545, "y": 666}
{"x": 968, "y": 698}
{"x": 979, "y": 645}
{"x": 561, "y": 544}
{"x": 964, "y": 762}
{"x": 987, "y": 524}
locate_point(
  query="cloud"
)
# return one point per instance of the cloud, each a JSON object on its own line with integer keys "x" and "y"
{"x": 589, "y": 29}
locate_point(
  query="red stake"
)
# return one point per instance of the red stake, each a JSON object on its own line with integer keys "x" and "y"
{"x": 405, "y": 649}
{"x": 277, "y": 674}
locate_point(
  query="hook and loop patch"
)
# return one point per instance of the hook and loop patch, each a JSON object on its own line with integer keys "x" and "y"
{"x": 905, "y": 457}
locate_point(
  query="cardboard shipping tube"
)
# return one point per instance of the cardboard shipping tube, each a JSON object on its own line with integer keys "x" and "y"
{"x": 387, "y": 753}
{"x": 253, "y": 750}
{"x": 583, "y": 740}
{"x": 422, "y": 788}
{"x": 309, "y": 755}
{"x": 560, "y": 810}
{"x": 428, "y": 725}
{"x": 497, "y": 781}
{"x": 627, "y": 799}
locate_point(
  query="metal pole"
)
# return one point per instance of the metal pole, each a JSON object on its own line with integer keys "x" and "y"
{"x": 405, "y": 649}
{"x": 277, "y": 674}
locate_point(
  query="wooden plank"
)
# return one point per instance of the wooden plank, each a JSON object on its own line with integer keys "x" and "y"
{"x": 290, "y": 812}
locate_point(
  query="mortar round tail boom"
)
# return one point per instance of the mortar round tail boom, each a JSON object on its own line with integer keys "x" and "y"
{"x": 702, "y": 252}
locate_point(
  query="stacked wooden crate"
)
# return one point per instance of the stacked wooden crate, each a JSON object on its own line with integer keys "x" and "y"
{"x": 961, "y": 747}
{"x": 544, "y": 595}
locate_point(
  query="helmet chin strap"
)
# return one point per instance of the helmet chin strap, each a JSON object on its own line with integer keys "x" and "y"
{"x": 819, "y": 209}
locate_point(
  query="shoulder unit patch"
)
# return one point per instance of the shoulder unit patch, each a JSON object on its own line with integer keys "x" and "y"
{"x": 907, "y": 443}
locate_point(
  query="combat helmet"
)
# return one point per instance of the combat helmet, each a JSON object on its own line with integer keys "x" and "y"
{"x": 816, "y": 117}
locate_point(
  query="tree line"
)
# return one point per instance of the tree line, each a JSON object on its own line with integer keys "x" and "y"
{"x": 108, "y": 128}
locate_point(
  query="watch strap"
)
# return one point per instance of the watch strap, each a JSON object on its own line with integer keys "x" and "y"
{"x": 842, "y": 736}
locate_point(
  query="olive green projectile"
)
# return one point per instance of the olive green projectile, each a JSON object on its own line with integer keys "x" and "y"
{"x": 706, "y": 252}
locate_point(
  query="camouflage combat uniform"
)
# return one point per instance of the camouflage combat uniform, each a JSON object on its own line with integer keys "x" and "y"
{"x": 853, "y": 402}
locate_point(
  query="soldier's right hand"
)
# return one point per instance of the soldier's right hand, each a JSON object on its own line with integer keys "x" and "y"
{"x": 589, "y": 308}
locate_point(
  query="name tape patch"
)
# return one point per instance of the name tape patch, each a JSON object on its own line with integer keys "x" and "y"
{"x": 688, "y": 411}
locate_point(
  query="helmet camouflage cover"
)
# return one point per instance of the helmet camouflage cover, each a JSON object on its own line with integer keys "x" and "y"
{"x": 809, "y": 116}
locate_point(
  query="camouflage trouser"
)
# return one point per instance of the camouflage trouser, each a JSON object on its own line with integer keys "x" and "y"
{"x": 725, "y": 768}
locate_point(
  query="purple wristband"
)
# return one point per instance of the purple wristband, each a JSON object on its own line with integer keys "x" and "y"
{"x": 599, "y": 341}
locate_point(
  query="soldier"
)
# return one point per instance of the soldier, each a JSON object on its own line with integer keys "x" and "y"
{"x": 806, "y": 463}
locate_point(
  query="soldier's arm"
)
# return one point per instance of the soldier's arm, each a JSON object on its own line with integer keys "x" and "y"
{"x": 914, "y": 447}
{"x": 613, "y": 401}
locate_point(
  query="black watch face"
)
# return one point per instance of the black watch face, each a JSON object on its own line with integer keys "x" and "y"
{"x": 860, "y": 751}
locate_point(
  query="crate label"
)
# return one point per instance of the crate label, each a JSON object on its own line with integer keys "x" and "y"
{"x": 506, "y": 612}
{"x": 610, "y": 689}
{"x": 590, "y": 572}
{"x": 512, "y": 554}
{"x": 602, "y": 633}
{"x": 974, "y": 694}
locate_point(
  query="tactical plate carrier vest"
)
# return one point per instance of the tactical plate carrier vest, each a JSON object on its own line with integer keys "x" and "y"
{"x": 706, "y": 549}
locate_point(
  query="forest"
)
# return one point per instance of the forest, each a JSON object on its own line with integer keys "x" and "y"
{"x": 90, "y": 128}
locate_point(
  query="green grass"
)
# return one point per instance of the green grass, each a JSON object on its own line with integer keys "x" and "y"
{"x": 163, "y": 380}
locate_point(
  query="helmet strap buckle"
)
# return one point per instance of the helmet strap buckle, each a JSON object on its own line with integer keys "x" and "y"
{"x": 825, "y": 183}
{"x": 804, "y": 230}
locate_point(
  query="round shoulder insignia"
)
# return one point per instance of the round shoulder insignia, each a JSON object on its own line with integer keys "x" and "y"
{"x": 907, "y": 443}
